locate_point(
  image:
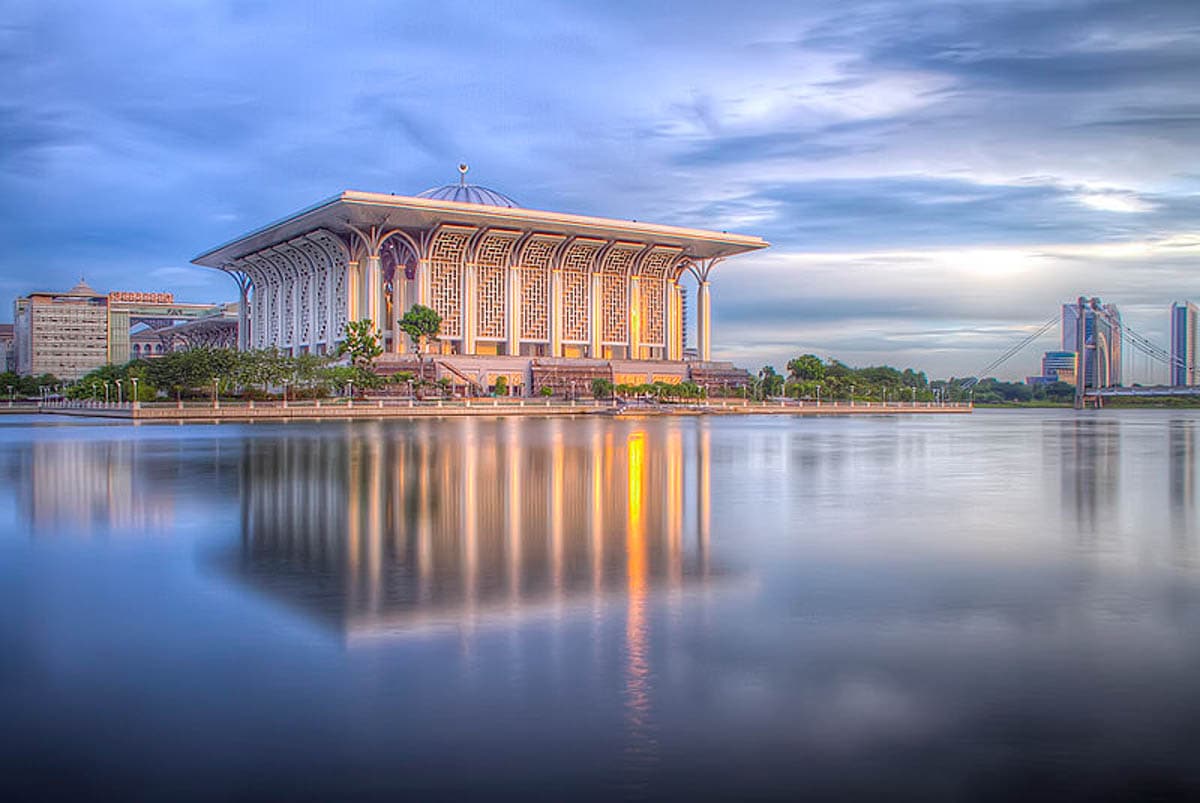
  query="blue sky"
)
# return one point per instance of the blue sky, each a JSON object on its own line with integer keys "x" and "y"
{"x": 934, "y": 177}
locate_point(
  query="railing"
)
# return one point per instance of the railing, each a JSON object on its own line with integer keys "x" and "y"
{"x": 497, "y": 403}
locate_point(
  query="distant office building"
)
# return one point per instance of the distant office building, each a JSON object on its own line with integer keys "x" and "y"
{"x": 1058, "y": 364}
{"x": 69, "y": 334}
{"x": 8, "y": 356}
{"x": 1101, "y": 348}
{"x": 1185, "y": 343}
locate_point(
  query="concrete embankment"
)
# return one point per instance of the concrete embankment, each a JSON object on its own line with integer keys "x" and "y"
{"x": 341, "y": 410}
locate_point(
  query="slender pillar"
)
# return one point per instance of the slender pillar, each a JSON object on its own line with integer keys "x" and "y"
{"x": 513, "y": 311}
{"x": 294, "y": 286}
{"x": 353, "y": 291}
{"x": 635, "y": 317}
{"x": 279, "y": 318}
{"x": 314, "y": 282}
{"x": 555, "y": 312}
{"x": 243, "y": 317}
{"x": 470, "y": 308}
{"x": 704, "y": 321}
{"x": 399, "y": 293}
{"x": 373, "y": 292}
{"x": 596, "y": 317}
{"x": 330, "y": 305}
{"x": 423, "y": 288}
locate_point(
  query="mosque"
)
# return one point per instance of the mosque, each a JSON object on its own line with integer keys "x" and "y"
{"x": 540, "y": 298}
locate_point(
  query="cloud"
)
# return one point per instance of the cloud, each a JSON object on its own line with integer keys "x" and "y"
{"x": 933, "y": 173}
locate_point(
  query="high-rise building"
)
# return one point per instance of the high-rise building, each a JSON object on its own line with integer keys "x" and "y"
{"x": 8, "y": 353}
{"x": 1185, "y": 343}
{"x": 64, "y": 334}
{"x": 1059, "y": 366}
{"x": 69, "y": 334}
{"x": 1101, "y": 347}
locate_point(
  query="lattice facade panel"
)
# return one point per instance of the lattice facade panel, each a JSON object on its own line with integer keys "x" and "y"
{"x": 658, "y": 262}
{"x": 338, "y": 262}
{"x": 576, "y": 303}
{"x": 320, "y": 260}
{"x": 579, "y": 254}
{"x": 535, "y": 304}
{"x": 446, "y": 275}
{"x": 491, "y": 301}
{"x": 614, "y": 306}
{"x": 652, "y": 312}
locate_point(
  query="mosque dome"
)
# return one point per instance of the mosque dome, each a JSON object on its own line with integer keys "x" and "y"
{"x": 465, "y": 193}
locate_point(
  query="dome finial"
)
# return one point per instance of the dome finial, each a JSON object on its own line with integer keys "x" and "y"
{"x": 462, "y": 174}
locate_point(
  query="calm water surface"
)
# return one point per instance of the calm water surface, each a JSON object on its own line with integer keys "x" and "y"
{"x": 997, "y": 606}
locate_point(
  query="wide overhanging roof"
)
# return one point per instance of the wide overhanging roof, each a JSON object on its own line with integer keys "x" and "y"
{"x": 363, "y": 209}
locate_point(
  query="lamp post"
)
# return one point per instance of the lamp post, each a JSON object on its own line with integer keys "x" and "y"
{"x": 106, "y": 391}
{"x": 216, "y": 399}
{"x": 120, "y": 396}
{"x": 285, "y": 384}
{"x": 914, "y": 396}
{"x": 852, "y": 395}
{"x": 95, "y": 390}
{"x": 134, "y": 380}
{"x": 350, "y": 392}
{"x": 10, "y": 395}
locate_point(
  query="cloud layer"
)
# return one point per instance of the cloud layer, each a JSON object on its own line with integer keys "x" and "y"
{"x": 935, "y": 177}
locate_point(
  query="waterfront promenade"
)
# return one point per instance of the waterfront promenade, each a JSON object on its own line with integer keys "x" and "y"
{"x": 405, "y": 408}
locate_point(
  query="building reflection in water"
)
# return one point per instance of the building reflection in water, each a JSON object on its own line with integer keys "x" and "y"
{"x": 1088, "y": 453}
{"x": 392, "y": 529}
{"x": 1181, "y": 473}
{"x": 84, "y": 487}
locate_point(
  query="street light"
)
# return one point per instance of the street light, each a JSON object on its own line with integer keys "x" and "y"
{"x": 216, "y": 383}
{"x": 10, "y": 395}
{"x": 350, "y": 392}
{"x": 134, "y": 380}
{"x": 120, "y": 397}
{"x": 818, "y": 395}
{"x": 852, "y": 395}
{"x": 106, "y": 391}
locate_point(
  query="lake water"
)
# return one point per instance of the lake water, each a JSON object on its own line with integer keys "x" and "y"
{"x": 995, "y": 606}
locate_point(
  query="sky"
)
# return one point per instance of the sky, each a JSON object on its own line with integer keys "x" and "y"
{"x": 935, "y": 178}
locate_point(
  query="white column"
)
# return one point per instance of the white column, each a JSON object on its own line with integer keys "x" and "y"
{"x": 555, "y": 312}
{"x": 243, "y": 317}
{"x": 330, "y": 310}
{"x": 294, "y": 286}
{"x": 279, "y": 324}
{"x": 470, "y": 308}
{"x": 596, "y": 315}
{"x": 314, "y": 281}
{"x": 635, "y": 317}
{"x": 353, "y": 290}
{"x": 424, "y": 291}
{"x": 513, "y": 311}
{"x": 704, "y": 321}
{"x": 398, "y": 302}
{"x": 373, "y": 292}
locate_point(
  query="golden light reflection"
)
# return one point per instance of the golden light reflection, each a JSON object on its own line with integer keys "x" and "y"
{"x": 499, "y": 519}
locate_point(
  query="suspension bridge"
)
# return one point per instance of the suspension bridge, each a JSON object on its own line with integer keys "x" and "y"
{"x": 1094, "y": 363}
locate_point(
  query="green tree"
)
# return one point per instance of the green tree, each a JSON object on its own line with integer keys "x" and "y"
{"x": 806, "y": 367}
{"x": 501, "y": 387}
{"x": 770, "y": 383}
{"x": 602, "y": 388}
{"x": 361, "y": 343}
{"x": 422, "y": 324}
